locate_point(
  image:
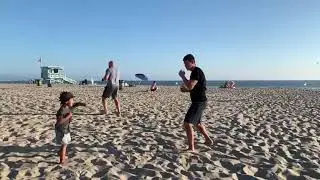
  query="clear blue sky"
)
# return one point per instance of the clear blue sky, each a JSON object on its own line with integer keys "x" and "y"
{"x": 231, "y": 39}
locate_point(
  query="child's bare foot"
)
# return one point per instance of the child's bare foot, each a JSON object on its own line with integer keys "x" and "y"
{"x": 64, "y": 162}
{"x": 118, "y": 114}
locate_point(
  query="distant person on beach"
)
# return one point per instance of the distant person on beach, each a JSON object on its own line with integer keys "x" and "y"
{"x": 62, "y": 126}
{"x": 226, "y": 84}
{"x": 112, "y": 76}
{"x": 153, "y": 87}
{"x": 197, "y": 88}
{"x": 229, "y": 84}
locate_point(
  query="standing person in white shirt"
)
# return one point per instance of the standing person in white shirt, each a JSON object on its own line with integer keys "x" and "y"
{"x": 112, "y": 77}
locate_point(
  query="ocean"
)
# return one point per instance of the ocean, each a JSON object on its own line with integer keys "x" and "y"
{"x": 309, "y": 84}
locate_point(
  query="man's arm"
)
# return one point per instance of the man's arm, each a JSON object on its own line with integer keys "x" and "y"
{"x": 106, "y": 76}
{"x": 189, "y": 83}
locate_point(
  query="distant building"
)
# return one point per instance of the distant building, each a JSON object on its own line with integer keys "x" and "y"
{"x": 55, "y": 75}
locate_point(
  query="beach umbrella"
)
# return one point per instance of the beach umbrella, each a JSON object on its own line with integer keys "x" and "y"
{"x": 141, "y": 77}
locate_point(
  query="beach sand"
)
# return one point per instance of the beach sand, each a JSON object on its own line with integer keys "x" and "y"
{"x": 257, "y": 133}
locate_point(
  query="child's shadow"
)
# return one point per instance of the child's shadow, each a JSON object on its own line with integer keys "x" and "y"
{"x": 49, "y": 114}
{"x": 26, "y": 155}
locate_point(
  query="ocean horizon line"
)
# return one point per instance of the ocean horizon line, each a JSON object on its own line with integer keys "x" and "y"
{"x": 26, "y": 80}
{"x": 213, "y": 83}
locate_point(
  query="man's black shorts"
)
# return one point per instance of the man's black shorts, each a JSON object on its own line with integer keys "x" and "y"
{"x": 195, "y": 112}
{"x": 110, "y": 90}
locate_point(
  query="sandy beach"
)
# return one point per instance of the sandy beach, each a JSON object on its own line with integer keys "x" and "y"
{"x": 257, "y": 133}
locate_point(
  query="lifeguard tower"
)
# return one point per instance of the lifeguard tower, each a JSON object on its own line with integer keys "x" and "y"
{"x": 55, "y": 75}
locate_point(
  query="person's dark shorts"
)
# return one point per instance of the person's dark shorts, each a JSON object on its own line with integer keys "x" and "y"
{"x": 110, "y": 90}
{"x": 195, "y": 112}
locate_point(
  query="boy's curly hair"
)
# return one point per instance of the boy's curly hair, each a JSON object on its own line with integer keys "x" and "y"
{"x": 65, "y": 96}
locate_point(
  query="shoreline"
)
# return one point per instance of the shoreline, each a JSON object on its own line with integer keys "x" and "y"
{"x": 4, "y": 85}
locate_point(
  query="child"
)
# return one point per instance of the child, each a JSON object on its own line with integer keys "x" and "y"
{"x": 62, "y": 126}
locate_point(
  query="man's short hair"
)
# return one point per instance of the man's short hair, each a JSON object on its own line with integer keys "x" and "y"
{"x": 110, "y": 63}
{"x": 189, "y": 57}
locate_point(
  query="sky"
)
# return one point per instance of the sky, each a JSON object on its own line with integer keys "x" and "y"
{"x": 231, "y": 39}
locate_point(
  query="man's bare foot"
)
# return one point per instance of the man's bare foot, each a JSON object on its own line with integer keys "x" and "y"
{"x": 103, "y": 112}
{"x": 118, "y": 114}
{"x": 122, "y": 177}
{"x": 188, "y": 150}
{"x": 208, "y": 142}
